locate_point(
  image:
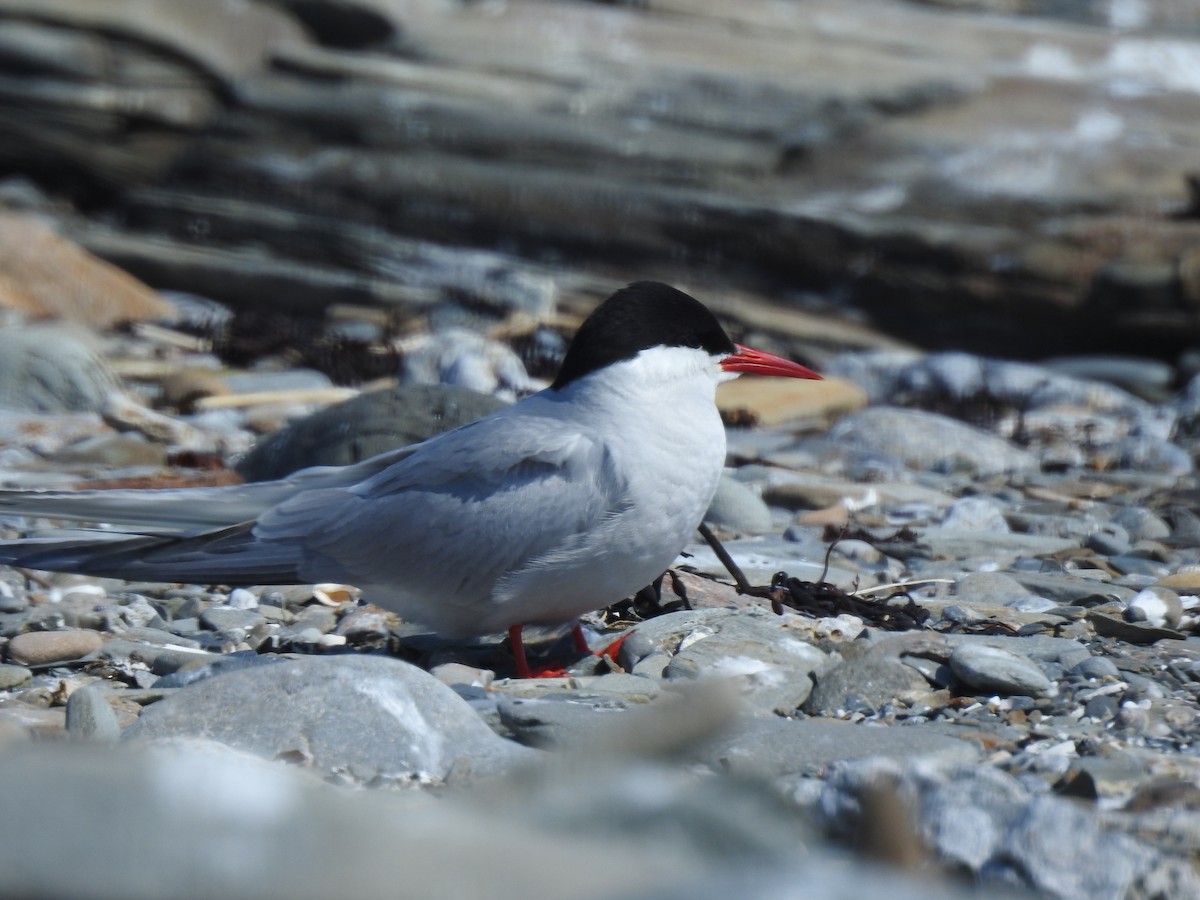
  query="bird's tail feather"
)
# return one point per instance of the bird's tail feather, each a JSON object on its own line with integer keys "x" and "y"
{"x": 226, "y": 556}
{"x": 175, "y": 509}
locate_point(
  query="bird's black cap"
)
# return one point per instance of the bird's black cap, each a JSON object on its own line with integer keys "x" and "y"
{"x": 645, "y": 314}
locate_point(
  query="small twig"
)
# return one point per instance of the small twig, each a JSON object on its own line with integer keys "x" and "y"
{"x": 901, "y": 585}
{"x": 739, "y": 577}
{"x": 829, "y": 552}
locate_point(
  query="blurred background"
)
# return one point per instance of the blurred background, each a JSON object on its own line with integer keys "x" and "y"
{"x": 1019, "y": 178}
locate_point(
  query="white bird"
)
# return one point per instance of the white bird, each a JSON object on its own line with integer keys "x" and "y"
{"x": 566, "y": 502}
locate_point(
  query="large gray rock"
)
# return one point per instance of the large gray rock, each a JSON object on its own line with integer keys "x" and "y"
{"x": 775, "y": 747}
{"x": 988, "y": 823}
{"x": 53, "y": 369}
{"x": 925, "y": 440}
{"x": 366, "y": 718}
{"x": 202, "y": 820}
{"x": 365, "y": 426}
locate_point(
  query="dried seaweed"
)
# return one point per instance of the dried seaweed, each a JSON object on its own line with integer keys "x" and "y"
{"x": 820, "y": 598}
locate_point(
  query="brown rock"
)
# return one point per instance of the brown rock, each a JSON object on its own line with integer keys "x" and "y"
{"x": 35, "y": 648}
{"x": 18, "y": 721}
{"x": 1185, "y": 581}
{"x": 777, "y": 401}
{"x": 47, "y": 276}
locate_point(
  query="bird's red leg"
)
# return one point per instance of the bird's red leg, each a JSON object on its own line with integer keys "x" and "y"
{"x": 518, "y": 651}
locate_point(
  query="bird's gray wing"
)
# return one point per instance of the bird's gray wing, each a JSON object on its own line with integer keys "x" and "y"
{"x": 451, "y": 520}
{"x": 438, "y": 527}
{"x": 188, "y": 510}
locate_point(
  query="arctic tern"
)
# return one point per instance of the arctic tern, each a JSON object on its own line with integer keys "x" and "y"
{"x": 566, "y": 502}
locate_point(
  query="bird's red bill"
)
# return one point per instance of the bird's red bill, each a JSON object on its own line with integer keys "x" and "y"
{"x": 758, "y": 362}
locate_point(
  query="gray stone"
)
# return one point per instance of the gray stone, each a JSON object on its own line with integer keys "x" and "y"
{"x": 947, "y": 543}
{"x": 976, "y": 514}
{"x": 736, "y": 508}
{"x": 1110, "y": 540}
{"x": 774, "y": 665}
{"x": 865, "y": 684}
{"x": 663, "y": 634}
{"x": 49, "y": 368}
{"x": 571, "y": 720}
{"x": 219, "y": 664}
{"x": 1096, "y": 667}
{"x": 12, "y": 601}
{"x": 13, "y": 676}
{"x": 989, "y": 589}
{"x": 1068, "y": 589}
{"x": 926, "y": 440}
{"x": 1033, "y": 605}
{"x": 775, "y": 747}
{"x": 229, "y": 620}
{"x": 90, "y": 717}
{"x": 367, "y": 718}
{"x": 365, "y": 426}
{"x": 1141, "y": 633}
{"x": 160, "y": 659}
{"x": 1128, "y": 564}
{"x": 993, "y": 669}
{"x": 1141, "y": 524}
{"x": 239, "y": 827}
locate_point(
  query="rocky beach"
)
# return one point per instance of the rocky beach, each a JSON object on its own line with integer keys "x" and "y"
{"x": 241, "y": 239}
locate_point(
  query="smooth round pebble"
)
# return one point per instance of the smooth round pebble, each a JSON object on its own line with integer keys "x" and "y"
{"x": 13, "y": 676}
{"x": 738, "y": 508}
{"x": 37, "y": 648}
{"x": 1097, "y": 667}
{"x": 89, "y": 716}
{"x": 976, "y": 514}
{"x": 989, "y": 589}
{"x": 1111, "y": 540}
{"x": 10, "y": 601}
{"x": 1141, "y": 524}
{"x": 992, "y": 669}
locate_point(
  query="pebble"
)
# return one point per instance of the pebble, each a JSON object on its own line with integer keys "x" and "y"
{"x": 39, "y": 648}
{"x": 369, "y": 424}
{"x": 990, "y": 589}
{"x": 364, "y": 718}
{"x": 781, "y": 747}
{"x": 737, "y": 508}
{"x": 1096, "y": 667}
{"x": 976, "y": 514}
{"x": 230, "y": 620}
{"x": 13, "y": 676}
{"x": 864, "y": 685}
{"x": 773, "y": 667}
{"x": 993, "y": 669}
{"x": 52, "y": 368}
{"x": 89, "y": 716}
{"x": 928, "y": 441}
